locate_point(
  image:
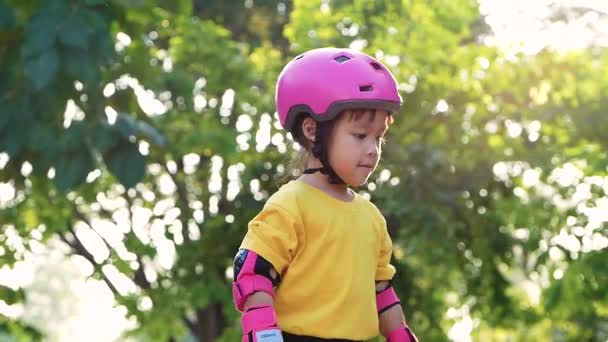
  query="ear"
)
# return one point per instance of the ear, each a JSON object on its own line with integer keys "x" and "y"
{"x": 309, "y": 129}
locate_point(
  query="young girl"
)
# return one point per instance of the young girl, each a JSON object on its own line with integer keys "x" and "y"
{"x": 315, "y": 263}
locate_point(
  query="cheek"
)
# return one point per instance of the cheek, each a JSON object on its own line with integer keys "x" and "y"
{"x": 341, "y": 143}
{"x": 341, "y": 151}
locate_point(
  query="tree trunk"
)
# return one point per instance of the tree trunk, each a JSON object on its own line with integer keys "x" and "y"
{"x": 211, "y": 323}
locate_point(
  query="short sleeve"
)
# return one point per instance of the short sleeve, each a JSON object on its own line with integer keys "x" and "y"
{"x": 272, "y": 235}
{"x": 384, "y": 270}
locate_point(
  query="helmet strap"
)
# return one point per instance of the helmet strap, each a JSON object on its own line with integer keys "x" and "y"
{"x": 317, "y": 169}
{"x": 319, "y": 151}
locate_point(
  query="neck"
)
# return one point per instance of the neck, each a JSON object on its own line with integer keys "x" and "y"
{"x": 321, "y": 181}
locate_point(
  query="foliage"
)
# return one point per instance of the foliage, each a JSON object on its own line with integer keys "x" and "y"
{"x": 152, "y": 124}
{"x": 15, "y": 331}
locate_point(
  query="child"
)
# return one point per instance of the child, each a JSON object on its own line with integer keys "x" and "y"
{"x": 315, "y": 263}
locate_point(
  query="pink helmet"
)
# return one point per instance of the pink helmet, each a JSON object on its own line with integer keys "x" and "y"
{"x": 323, "y": 82}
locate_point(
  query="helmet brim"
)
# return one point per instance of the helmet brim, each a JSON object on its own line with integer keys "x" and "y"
{"x": 336, "y": 108}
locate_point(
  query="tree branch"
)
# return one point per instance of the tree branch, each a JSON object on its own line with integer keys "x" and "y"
{"x": 191, "y": 326}
{"x": 183, "y": 203}
{"x": 81, "y": 250}
{"x": 84, "y": 219}
{"x": 139, "y": 276}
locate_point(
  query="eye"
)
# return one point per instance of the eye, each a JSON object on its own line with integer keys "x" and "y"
{"x": 359, "y": 136}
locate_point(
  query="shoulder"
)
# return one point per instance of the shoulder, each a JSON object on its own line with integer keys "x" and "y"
{"x": 286, "y": 198}
{"x": 373, "y": 209}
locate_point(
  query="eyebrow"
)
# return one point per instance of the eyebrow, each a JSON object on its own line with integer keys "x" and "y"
{"x": 356, "y": 120}
{"x": 382, "y": 131}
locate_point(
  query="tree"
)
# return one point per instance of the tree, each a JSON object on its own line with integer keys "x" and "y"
{"x": 102, "y": 142}
{"x": 143, "y": 137}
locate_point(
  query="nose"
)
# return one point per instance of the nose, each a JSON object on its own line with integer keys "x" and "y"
{"x": 373, "y": 149}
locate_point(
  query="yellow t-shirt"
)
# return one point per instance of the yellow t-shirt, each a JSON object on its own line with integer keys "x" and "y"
{"x": 329, "y": 254}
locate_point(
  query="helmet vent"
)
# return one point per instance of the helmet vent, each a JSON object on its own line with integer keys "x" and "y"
{"x": 299, "y": 57}
{"x": 367, "y": 87}
{"x": 376, "y": 66}
{"x": 341, "y": 59}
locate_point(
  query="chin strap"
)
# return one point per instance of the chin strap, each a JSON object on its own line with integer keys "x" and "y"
{"x": 319, "y": 151}
{"x": 318, "y": 169}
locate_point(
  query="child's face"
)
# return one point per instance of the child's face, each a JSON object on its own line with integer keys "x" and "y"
{"x": 355, "y": 145}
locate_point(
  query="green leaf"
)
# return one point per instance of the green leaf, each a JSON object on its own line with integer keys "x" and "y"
{"x": 7, "y": 77}
{"x": 42, "y": 70}
{"x": 6, "y": 113}
{"x": 105, "y": 48}
{"x": 103, "y": 136}
{"x": 7, "y": 17}
{"x": 74, "y": 137}
{"x": 213, "y": 138}
{"x": 95, "y": 2}
{"x": 121, "y": 265}
{"x": 72, "y": 169}
{"x": 18, "y": 331}
{"x": 151, "y": 132}
{"x": 79, "y": 64}
{"x": 57, "y": 7}
{"x": 94, "y": 20}
{"x": 14, "y": 135}
{"x": 42, "y": 138}
{"x": 136, "y": 246}
{"x": 126, "y": 163}
{"x": 40, "y": 33}
{"x": 184, "y": 7}
{"x": 74, "y": 32}
{"x": 125, "y": 124}
{"x": 11, "y": 296}
{"x": 131, "y": 3}
{"x": 128, "y": 125}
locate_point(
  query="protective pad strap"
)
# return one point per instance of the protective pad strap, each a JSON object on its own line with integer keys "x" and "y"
{"x": 401, "y": 334}
{"x": 266, "y": 335}
{"x": 248, "y": 281}
{"x": 386, "y": 299}
{"x": 258, "y": 318}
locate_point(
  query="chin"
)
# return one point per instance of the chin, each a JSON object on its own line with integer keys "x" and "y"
{"x": 359, "y": 182}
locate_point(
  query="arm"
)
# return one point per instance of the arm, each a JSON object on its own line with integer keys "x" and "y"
{"x": 258, "y": 299}
{"x": 253, "y": 293}
{"x": 392, "y": 321}
{"x": 261, "y": 298}
{"x": 266, "y": 251}
{"x": 392, "y": 318}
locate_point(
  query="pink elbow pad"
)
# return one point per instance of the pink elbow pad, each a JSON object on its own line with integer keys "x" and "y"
{"x": 252, "y": 274}
{"x": 385, "y": 300}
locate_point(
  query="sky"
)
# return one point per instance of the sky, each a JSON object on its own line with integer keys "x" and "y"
{"x": 87, "y": 311}
{"x": 527, "y": 25}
